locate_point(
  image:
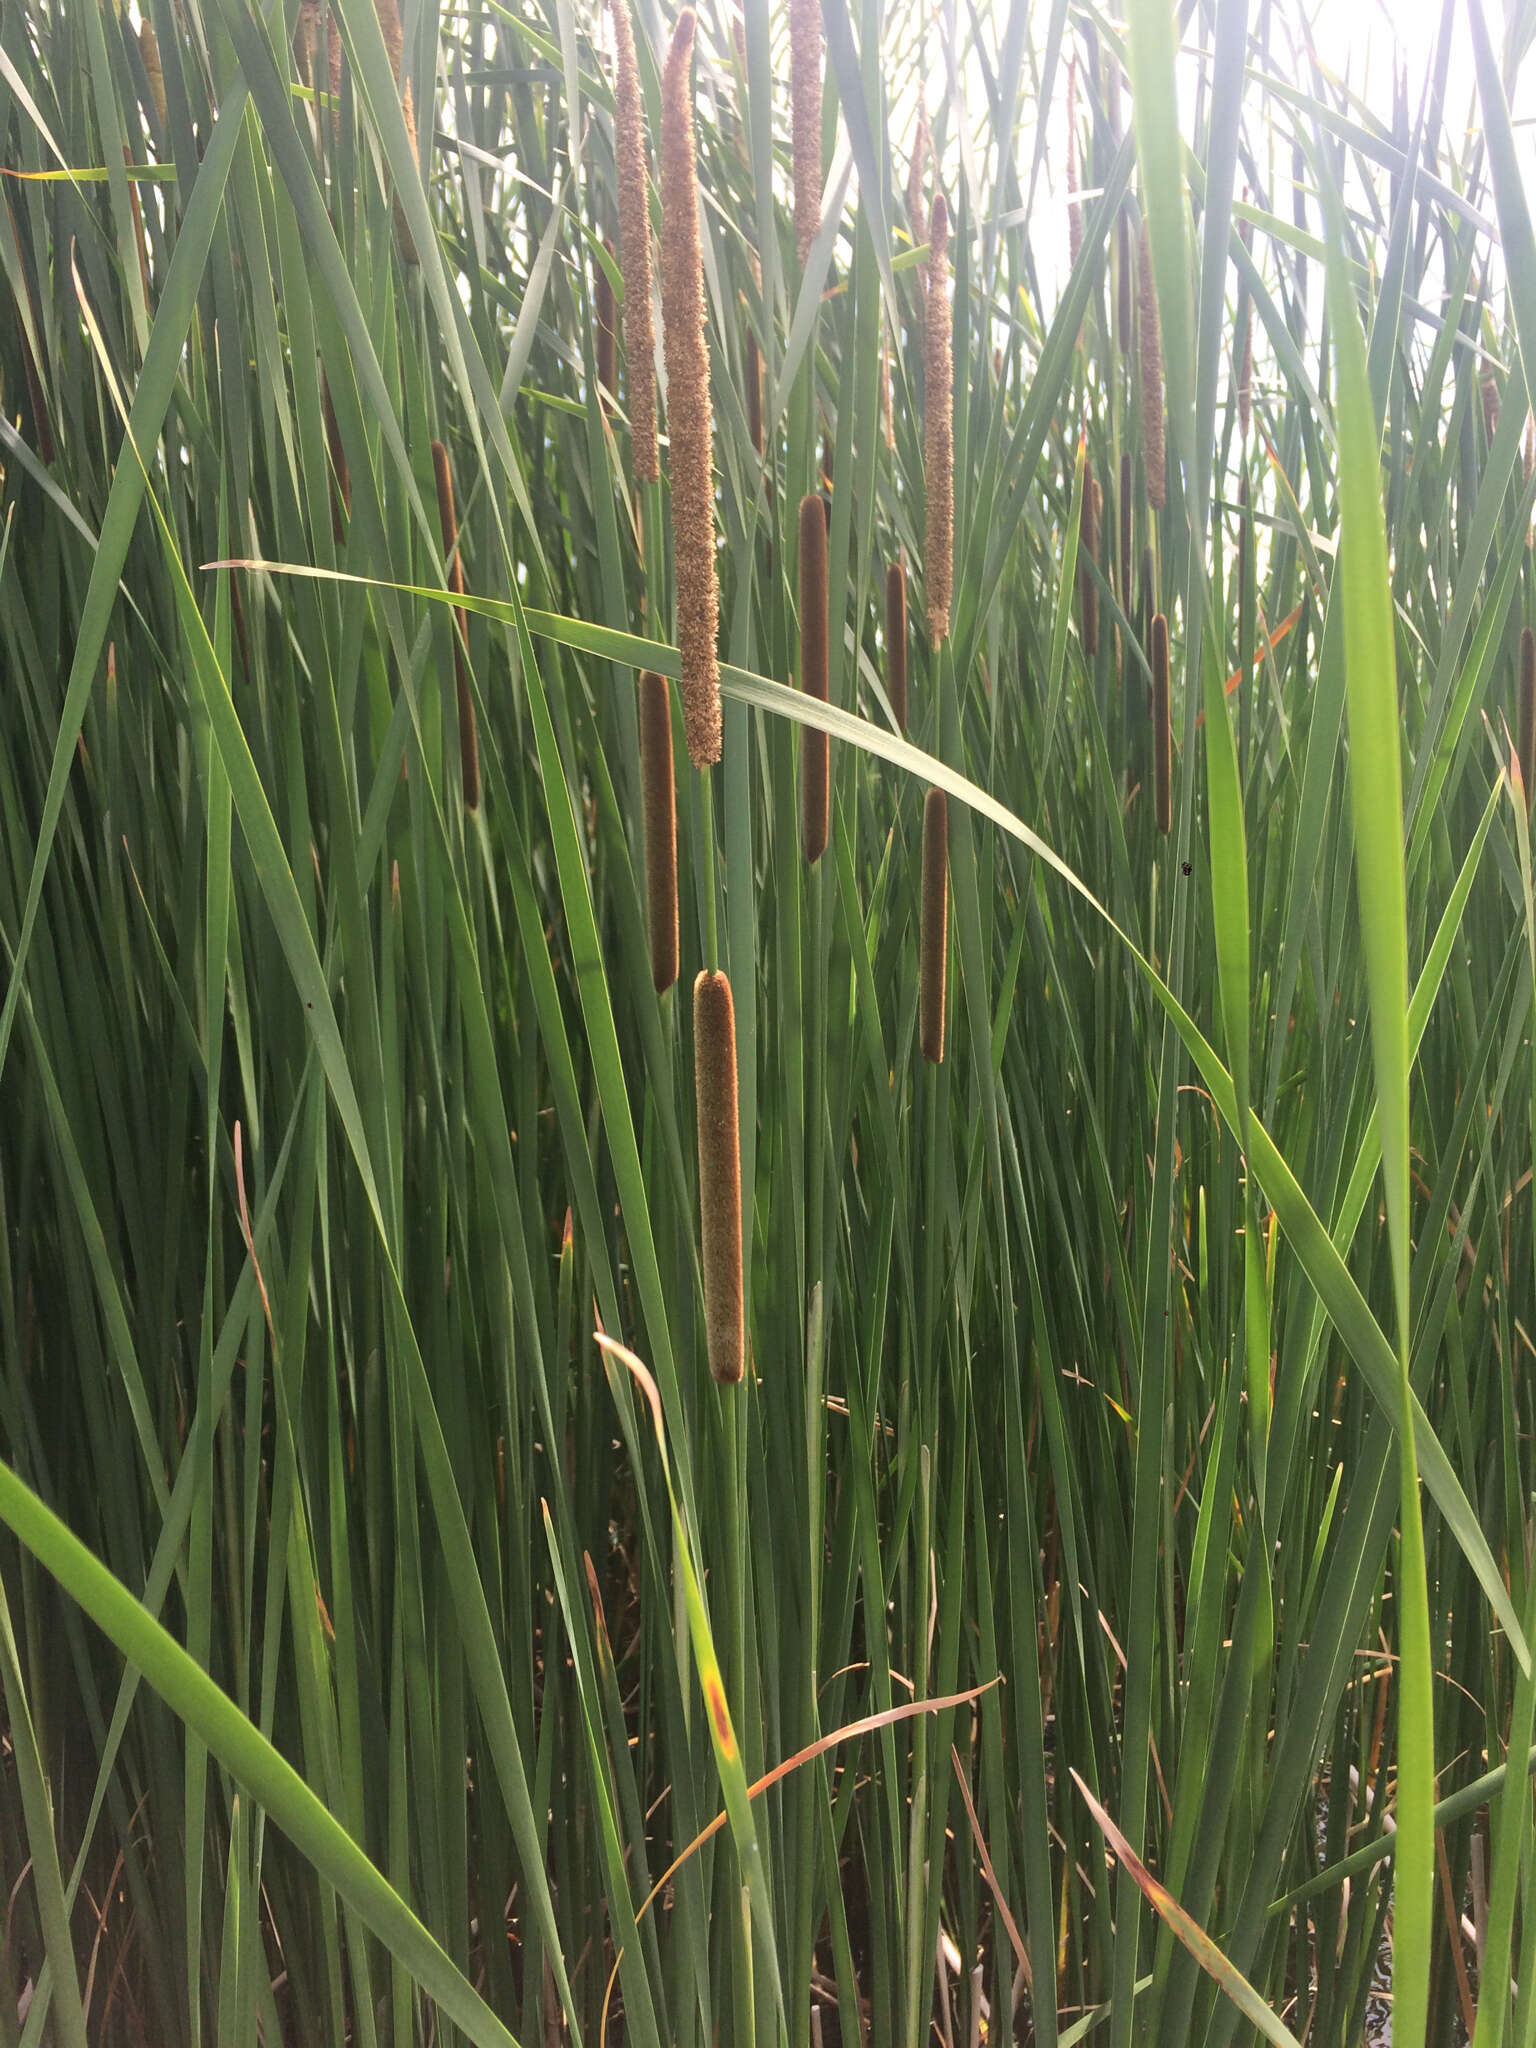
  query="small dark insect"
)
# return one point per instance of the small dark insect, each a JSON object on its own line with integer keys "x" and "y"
{"x": 1183, "y": 867}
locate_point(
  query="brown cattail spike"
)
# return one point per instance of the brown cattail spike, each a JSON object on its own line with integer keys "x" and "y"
{"x": 896, "y": 641}
{"x": 714, "y": 1056}
{"x": 934, "y": 937}
{"x": 1151, "y": 380}
{"x": 606, "y": 338}
{"x": 815, "y": 749}
{"x": 333, "y": 61}
{"x": 1088, "y": 553}
{"x": 149, "y": 51}
{"x": 805, "y": 120}
{"x": 938, "y": 429}
{"x": 635, "y": 248}
{"x": 394, "y": 43}
{"x": 469, "y": 736}
{"x": 1162, "y": 726}
{"x": 660, "y": 804}
{"x": 1528, "y": 712}
{"x": 688, "y": 411}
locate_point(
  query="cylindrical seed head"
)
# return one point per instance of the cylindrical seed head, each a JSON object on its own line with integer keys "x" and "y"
{"x": 805, "y": 120}
{"x": 896, "y": 640}
{"x": 1162, "y": 726}
{"x": 634, "y": 247}
{"x": 469, "y": 735}
{"x": 815, "y": 642}
{"x": 659, "y": 795}
{"x": 938, "y": 429}
{"x": 149, "y": 50}
{"x": 1088, "y": 552}
{"x": 714, "y": 1055}
{"x": 688, "y": 411}
{"x": 933, "y": 942}
{"x": 1151, "y": 380}
{"x": 1528, "y": 713}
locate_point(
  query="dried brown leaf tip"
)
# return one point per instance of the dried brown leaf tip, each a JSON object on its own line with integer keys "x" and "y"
{"x": 659, "y": 798}
{"x": 896, "y": 641}
{"x": 933, "y": 940}
{"x": 469, "y": 738}
{"x": 1162, "y": 726}
{"x": 1527, "y": 713}
{"x": 689, "y": 419}
{"x": 714, "y": 1056}
{"x": 635, "y": 248}
{"x": 938, "y": 428}
{"x": 1152, "y": 444}
{"x": 815, "y": 749}
{"x": 805, "y": 119}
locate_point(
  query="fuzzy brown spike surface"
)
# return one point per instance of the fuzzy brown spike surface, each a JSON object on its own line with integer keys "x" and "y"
{"x": 896, "y": 640}
{"x": 714, "y": 1055}
{"x": 1162, "y": 726}
{"x": 635, "y": 247}
{"x": 938, "y": 429}
{"x": 933, "y": 940}
{"x": 1152, "y": 444}
{"x": 659, "y": 798}
{"x": 815, "y": 748}
{"x": 469, "y": 733}
{"x": 1528, "y": 712}
{"x": 149, "y": 51}
{"x": 805, "y": 120}
{"x": 688, "y": 410}
{"x": 1088, "y": 555}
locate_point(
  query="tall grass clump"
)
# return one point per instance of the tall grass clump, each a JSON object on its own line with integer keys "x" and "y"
{"x": 975, "y": 1482}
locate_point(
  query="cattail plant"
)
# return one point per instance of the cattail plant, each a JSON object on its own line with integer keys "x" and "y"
{"x": 896, "y": 640}
{"x": 394, "y": 42}
{"x": 917, "y": 210}
{"x": 607, "y": 338}
{"x": 1088, "y": 555}
{"x": 149, "y": 51}
{"x": 1152, "y": 454}
{"x": 714, "y": 1055}
{"x": 933, "y": 941}
{"x": 1127, "y": 538}
{"x": 1162, "y": 726}
{"x": 805, "y": 120}
{"x": 688, "y": 410}
{"x": 938, "y": 429}
{"x": 1527, "y": 712}
{"x": 341, "y": 480}
{"x": 469, "y": 739}
{"x": 659, "y": 797}
{"x": 815, "y": 748}
{"x": 634, "y": 248}
{"x": 333, "y": 62}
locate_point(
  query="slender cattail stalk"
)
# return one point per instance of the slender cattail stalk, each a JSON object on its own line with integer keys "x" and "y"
{"x": 659, "y": 796}
{"x": 341, "y": 480}
{"x": 1127, "y": 512}
{"x": 815, "y": 748}
{"x": 933, "y": 941}
{"x": 1074, "y": 204}
{"x": 896, "y": 640}
{"x": 714, "y": 1056}
{"x": 1152, "y": 447}
{"x": 688, "y": 410}
{"x": 149, "y": 51}
{"x": 469, "y": 735}
{"x": 1088, "y": 552}
{"x": 805, "y": 120}
{"x": 1162, "y": 726}
{"x": 606, "y": 338}
{"x": 938, "y": 429}
{"x": 635, "y": 248}
{"x": 755, "y": 393}
{"x": 1527, "y": 715}
{"x": 917, "y": 210}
